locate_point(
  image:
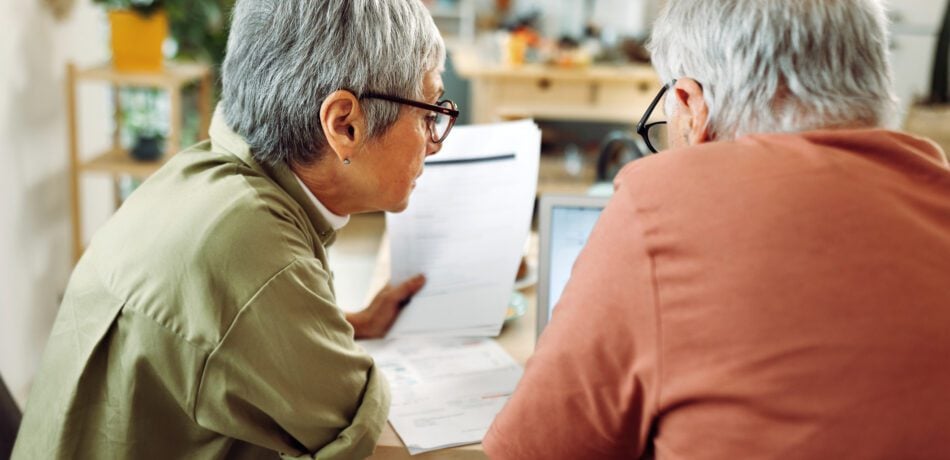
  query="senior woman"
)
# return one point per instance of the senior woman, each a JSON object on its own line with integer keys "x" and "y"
{"x": 774, "y": 285}
{"x": 201, "y": 321}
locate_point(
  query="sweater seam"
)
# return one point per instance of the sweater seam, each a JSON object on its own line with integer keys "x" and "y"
{"x": 655, "y": 284}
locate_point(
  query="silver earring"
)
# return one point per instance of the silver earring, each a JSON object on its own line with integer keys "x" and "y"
{"x": 346, "y": 161}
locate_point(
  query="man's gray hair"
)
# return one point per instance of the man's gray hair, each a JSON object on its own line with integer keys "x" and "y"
{"x": 285, "y": 57}
{"x": 780, "y": 65}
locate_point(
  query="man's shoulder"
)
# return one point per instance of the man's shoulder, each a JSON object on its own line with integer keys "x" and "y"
{"x": 835, "y": 152}
{"x": 739, "y": 165}
{"x": 689, "y": 169}
{"x": 696, "y": 158}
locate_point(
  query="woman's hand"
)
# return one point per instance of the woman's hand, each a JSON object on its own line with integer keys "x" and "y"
{"x": 375, "y": 320}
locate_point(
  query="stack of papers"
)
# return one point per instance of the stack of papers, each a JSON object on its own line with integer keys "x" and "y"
{"x": 465, "y": 228}
{"x": 445, "y": 392}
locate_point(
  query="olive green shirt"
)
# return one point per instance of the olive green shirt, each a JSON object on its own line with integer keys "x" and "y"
{"x": 201, "y": 323}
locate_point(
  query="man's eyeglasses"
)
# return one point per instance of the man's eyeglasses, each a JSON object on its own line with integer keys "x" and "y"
{"x": 439, "y": 123}
{"x": 654, "y": 134}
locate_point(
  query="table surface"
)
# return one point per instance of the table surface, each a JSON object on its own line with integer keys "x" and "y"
{"x": 517, "y": 338}
{"x": 470, "y": 64}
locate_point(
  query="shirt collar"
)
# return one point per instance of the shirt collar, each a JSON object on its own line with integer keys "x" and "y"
{"x": 336, "y": 221}
{"x": 224, "y": 139}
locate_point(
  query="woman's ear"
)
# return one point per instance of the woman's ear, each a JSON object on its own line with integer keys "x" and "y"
{"x": 691, "y": 102}
{"x": 341, "y": 118}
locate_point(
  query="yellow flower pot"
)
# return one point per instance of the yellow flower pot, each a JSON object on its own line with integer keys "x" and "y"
{"x": 137, "y": 40}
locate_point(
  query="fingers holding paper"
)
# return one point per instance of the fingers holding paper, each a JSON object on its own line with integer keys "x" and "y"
{"x": 375, "y": 320}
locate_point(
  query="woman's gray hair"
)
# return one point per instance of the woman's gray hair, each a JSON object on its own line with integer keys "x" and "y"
{"x": 780, "y": 65}
{"x": 285, "y": 57}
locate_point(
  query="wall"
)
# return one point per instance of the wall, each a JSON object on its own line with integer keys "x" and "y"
{"x": 34, "y": 195}
{"x": 914, "y": 28}
{"x": 618, "y": 18}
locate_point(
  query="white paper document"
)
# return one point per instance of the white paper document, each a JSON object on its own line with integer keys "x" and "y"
{"x": 465, "y": 228}
{"x": 445, "y": 392}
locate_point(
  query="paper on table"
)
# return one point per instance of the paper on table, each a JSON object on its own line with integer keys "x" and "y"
{"x": 465, "y": 228}
{"x": 445, "y": 392}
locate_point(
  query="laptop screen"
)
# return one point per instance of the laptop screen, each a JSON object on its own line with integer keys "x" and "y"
{"x": 566, "y": 223}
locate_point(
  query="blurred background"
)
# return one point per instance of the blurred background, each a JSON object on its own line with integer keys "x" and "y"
{"x": 95, "y": 95}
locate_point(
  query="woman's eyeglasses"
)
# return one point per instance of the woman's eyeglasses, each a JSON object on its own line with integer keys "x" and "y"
{"x": 439, "y": 123}
{"x": 654, "y": 134}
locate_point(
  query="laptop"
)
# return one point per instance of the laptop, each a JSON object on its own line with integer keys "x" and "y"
{"x": 565, "y": 223}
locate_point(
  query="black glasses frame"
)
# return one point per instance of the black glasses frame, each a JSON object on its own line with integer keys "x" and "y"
{"x": 643, "y": 126}
{"x": 452, "y": 113}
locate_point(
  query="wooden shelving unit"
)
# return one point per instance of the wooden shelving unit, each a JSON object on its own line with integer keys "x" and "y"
{"x": 116, "y": 161}
{"x": 455, "y": 18}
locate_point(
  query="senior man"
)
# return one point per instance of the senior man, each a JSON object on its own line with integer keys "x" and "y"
{"x": 201, "y": 321}
{"x": 777, "y": 284}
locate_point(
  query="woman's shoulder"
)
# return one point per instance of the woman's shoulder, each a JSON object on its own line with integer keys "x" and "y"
{"x": 219, "y": 206}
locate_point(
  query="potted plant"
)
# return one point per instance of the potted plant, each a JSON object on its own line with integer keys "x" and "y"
{"x": 138, "y": 30}
{"x": 143, "y": 122}
{"x": 199, "y": 28}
